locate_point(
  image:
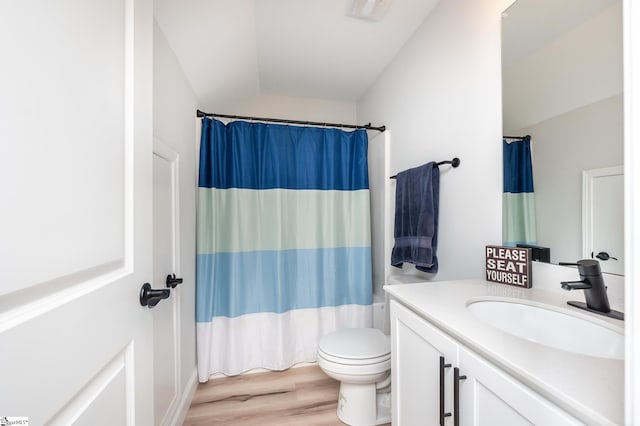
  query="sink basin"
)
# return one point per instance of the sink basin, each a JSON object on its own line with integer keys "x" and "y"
{"x": 552, "y": 327}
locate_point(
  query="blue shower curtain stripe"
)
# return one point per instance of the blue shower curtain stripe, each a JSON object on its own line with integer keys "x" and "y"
{"x": 300, "y": 158}
{"x": 518, "y": 171}
{"x": 265, "y": 275}
{"x": 284, "y": 242}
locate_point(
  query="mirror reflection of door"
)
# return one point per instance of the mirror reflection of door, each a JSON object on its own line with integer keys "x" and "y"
{"x": 603, "y": 217}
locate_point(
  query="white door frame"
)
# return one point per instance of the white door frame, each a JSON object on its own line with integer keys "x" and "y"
{"x": 631, "y": 42}
{"x": 168, "y": 154}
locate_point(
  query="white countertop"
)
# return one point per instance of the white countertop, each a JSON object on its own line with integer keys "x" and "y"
{"x": 589, "y": 388}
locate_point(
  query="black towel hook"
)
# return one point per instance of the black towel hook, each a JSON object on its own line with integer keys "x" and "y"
{"x": 455, "y": 162}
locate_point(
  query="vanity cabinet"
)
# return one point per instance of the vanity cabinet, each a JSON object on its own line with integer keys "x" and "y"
{"x": 416, "y": 352}
{"x": 423, "y": 388}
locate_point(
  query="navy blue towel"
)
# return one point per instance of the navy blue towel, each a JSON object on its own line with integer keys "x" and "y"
{"x": 416, "y": 220}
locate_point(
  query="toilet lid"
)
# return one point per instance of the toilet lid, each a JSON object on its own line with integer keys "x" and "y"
{"x": 356, "y": 343}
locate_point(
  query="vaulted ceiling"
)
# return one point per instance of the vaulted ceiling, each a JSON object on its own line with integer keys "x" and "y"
{"x": 236, "y": 49}
{"x": 529, "y": 25}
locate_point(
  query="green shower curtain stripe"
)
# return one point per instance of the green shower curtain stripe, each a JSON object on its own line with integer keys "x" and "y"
{"x": 281, "y": 219}
{"x": 518, "y": 218}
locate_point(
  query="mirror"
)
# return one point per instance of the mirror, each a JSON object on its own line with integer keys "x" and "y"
{"x": 562, "y": 84}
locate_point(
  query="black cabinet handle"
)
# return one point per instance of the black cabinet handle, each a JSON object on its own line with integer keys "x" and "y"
{"x": 150, "y": 297}
{"x": 172, "y": 281}
{"x": 443, "y": 415}
{"x": 456, "y": 395}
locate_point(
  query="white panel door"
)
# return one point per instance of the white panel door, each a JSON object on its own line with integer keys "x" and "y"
{"x": 75, "y": 218}
{"x": 603, "y": 217}
{"x": 166, "y": 261}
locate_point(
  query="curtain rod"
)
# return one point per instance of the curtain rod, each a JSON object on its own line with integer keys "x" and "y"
{"x": 201, "y": 114}
{"x": 524, "y": 138}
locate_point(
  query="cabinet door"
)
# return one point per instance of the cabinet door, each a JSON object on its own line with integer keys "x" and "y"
{"x": 416, "y": 348}
{"x": 489, "y": 397}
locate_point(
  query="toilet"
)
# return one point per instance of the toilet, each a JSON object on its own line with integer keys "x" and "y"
{"x": 360, "y": 359}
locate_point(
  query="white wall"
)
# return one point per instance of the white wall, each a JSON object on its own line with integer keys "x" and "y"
{"x": 295, "y": 108}
{"x": 441, "y": 98}
{"x": 580, "y": 67}
{"x": 587, "y": 138}
{"x": 174, "y": 124}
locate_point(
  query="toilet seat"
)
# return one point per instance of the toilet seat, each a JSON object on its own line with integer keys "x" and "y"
{"x": 351, "y": 361}
{"x": 355, "y": 344}
{"x": 357, "y": 350}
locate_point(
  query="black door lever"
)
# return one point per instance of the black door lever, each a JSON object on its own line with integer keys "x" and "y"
{"x": 172, "y": 281}
{"x": 603, "y": 255}
{"x": 150, "y": 297}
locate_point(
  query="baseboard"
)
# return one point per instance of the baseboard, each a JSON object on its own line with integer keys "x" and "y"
{"x": 187, "y": 396}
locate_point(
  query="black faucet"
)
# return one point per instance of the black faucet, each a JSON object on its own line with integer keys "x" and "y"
{"x": 595, "y": 292}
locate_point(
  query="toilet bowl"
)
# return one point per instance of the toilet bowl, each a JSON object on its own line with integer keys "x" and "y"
{"x": 360, "y": 359}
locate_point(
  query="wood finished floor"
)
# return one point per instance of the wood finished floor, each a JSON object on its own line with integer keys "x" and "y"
{"x": 298, "y": 396}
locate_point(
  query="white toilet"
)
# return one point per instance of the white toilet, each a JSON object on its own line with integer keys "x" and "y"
{"x": 360, "y": 358}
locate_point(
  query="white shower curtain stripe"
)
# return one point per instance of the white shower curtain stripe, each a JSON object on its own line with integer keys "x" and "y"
{"x": 279, "y": 332}
{"x": 284, "y": 253}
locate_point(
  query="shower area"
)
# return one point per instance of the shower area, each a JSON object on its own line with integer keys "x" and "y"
{"x": 285, "y": 251}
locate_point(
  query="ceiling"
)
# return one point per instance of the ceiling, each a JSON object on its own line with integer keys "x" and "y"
{"x": 232, "y": 50}
{"x": 529, "y": 25}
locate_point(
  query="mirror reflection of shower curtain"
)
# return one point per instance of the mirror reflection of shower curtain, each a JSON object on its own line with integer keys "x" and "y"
{"x": 284, "y": 243}
{"x": 518, "y": 198}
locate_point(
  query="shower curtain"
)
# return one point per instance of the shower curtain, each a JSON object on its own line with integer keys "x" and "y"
{"x": 283, "y": 247}
{"x": 518, "y": 202}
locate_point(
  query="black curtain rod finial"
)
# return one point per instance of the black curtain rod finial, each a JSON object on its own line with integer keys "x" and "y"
{"x": 455, "y": 162}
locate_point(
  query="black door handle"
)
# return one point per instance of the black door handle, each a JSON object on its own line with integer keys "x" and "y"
{"x": 603, "y": 255}
{"x": 456, "y": 395}
{"x": 150, "y": 297}
{"x": 443, "y": 415}
{"x": 172, "y": 281}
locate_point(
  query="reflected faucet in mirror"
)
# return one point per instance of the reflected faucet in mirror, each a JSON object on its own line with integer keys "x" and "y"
{"x": 595, "y": 292}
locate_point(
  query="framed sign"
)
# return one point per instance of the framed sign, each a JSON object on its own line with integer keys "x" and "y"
{"x": 509, "y": 265}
